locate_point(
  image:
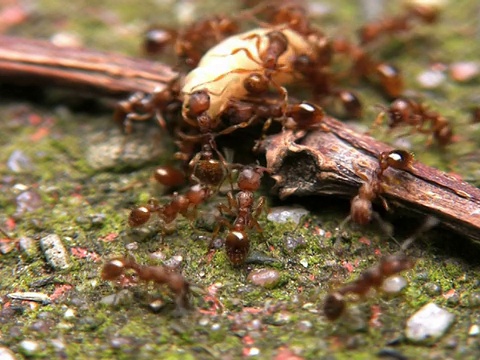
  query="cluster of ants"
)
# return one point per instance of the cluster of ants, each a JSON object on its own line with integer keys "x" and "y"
{"x": 239, "y": 85}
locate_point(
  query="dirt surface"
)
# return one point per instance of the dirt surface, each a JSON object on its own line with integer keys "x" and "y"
{"x": 66, "y": 170}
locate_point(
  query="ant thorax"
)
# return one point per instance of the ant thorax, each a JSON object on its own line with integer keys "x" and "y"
{"x": 224, "y": 68}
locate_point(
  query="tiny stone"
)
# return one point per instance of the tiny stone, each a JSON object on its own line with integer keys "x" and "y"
{"x": 474, "y": 330}
{"x": 70, "y": 313}
{"x": 432, "y": 289}
{"x": 280, "y": 318}
{"x": 30, "y": 296}
{"x": 267, "y": 278}
{"x": 55, "y": 252}
{"x": 29, "y": 347}
{"x": 431, "y": 79}
{"x": 132, "y": 246}
{"x": 174, "y": 261}
{"x": 19, "y": 162}
{"x": 293, "y": 243}
{"x": 253, "y": 351}
{"x": 304, "y": 262}
{"x": 394, "y": 284}
{"x": 6, "y": 354}
{"x": 58, "y": 344}
{"x": 215, "y": 327}
{"x": 115, "y": 299}
{"x": 304, "y": 325}
{"x": 27, "y": 201}
{"x": 282, "y": 214}
{"x": 64, "y": 39}
{"x": 27, "y": 246}
{"x": 430, "y": 322}
{"x": 203, "y": 321}
{"x": 463, "y": 71}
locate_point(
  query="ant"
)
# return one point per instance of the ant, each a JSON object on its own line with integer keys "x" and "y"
{"x": 160, "y": 275}
{"x": 246, "y": 212}
{"x": 401, "y": 23}
{"x": 335, "y": 303}
{"x": 194, "y": 41}
{"x": 162, "y": 104}
{"x": 184, "y": 204}
{"x": 404, "y": 111}
{"x": 361, "y": 211}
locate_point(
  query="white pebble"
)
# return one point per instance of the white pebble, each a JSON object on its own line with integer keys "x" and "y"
{"x": 6, "y": 354}
{"x": 431, "y": 79}
{"x": 70, "y": 313}
{"x": 29, "y": 346}
{"x": 430, "y": 322}
{"x": 474, "y": 330}
{"x": 282, "y": 214}
{"x": 394, "y": 284}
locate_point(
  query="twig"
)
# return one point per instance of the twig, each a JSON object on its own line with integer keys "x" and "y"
{"x": 327, "y": 162}
{"x": 42, "y": 63}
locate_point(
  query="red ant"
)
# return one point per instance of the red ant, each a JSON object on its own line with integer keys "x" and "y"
{"x": 371, "y": 32}
{"x": 405, "y": 111}
{"x": 160, "y": 275}
{"x": 160, "y": 104}
{"x": 361, "y": 211}
{"x": 184, "y": 204}
{"x": 335, "y": 303}
{"x": 194, "y": 41}
{"x": 246, "y": 212}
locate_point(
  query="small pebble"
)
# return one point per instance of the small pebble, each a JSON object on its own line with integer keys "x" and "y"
{"x": 69, "y": 314}
{"x": 55, "y": 252}
{"x": 432, "y": 289}
{"x": 27, "y": 201}
{"x": 430, "y": 322}
{"x": 304, "y": 325}
{"x": 293, "y": 242}
{"x": 27, "y": 246}
{"x": 394, "y": 284}
{"x": 464, "y": 71}
{"x": 6, "y": 354}
{"x": 474, "y": 330}
{"x": 267, "y": 278}
{"x": 64, "y": 39}
{"x": 253, "y": 351}
{"x": 19, "y": 162}
{"x": 30, "y": 296}
{"x": 29, "y": 347}
{"x": 283, "y": 214}
{"x": 431, "y": 79}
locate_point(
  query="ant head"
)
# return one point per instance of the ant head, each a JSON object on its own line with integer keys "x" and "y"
{"x": 198, "y": 103}
{"x": 139, "y": 216}
{"x": 113, "y": 269}
{"x": 397, "y": 159}
{"x": 250, "y": 178}
{"x": 256, "y": 84}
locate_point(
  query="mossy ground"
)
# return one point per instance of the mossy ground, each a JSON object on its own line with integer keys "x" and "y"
{"x": 88, "y": 210}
